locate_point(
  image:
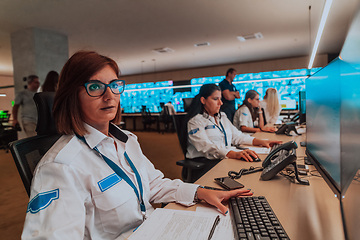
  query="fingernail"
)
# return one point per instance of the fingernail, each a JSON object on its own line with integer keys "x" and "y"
{"x": 252, "y": 192}
{"x": 227, "y": 212}
{"x": 249, "y": 189}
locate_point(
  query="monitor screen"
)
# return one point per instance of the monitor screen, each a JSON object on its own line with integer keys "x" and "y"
{"x": 302, "y": 102}
{"x": 323, "y": 122}
{"x": 289, "y": 104}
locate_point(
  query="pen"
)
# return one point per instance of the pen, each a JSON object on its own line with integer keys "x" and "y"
{"x": 216, "y": 222}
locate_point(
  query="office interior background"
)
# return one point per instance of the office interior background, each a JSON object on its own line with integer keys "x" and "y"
{"x": 164, "y": 47}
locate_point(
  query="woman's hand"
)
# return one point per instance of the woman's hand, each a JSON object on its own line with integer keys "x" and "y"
{"x": 268, "y": 129}
{"x": 244, "y": 155}
{"x": 216, "y": 198}
{"x": 265, "y": 143}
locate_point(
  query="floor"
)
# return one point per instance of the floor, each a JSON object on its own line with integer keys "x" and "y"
{"x": 163, "y": 150}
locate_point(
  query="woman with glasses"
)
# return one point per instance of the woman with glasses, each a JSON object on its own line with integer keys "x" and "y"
{"x": 249, "y": 117}
{"x": 95, "y": 183}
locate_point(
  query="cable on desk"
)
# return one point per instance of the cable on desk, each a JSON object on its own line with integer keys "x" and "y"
{"x": 315, "y": 175}
{"x": 288, "y": 175}
{"x": 243, "y": 171}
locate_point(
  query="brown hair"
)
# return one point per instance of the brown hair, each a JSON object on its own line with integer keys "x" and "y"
{"x": 75, "y": 73}
{"x": 230, "y": 71}
{"x": 251, "y": 94}
{"x": 51, "y": 81}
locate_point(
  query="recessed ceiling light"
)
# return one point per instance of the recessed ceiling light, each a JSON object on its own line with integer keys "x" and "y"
{"x": 163, "y": 50}
{"x": 257, "y": 35}
{"x": 202, "y": 44}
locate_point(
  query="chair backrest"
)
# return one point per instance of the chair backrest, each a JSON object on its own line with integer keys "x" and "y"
{"x": 180, "y": 127}
{"x": 44, "y": 102}
{"x": 27, "y": 152}
{"x": 165, "y": 115}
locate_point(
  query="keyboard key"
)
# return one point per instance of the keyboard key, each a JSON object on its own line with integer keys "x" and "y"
{"x": 242, "y": 235}
{"x": 259, "y": 237}
{"x": 250, "y": 236}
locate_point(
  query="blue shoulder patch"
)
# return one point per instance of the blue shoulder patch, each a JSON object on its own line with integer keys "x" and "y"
{"x": 210, "y": 127}
{"x": 108, "y": 182}
{"x": 194, "y": 131}
{"x": 42, "y": 201}
{"x": 245, "y": 114}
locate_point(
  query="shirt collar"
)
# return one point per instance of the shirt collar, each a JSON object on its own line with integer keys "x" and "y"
{"x": 94, "y": 137}
{"x": 207, "y": 116}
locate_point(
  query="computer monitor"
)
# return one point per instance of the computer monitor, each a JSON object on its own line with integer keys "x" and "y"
{"x": 333, "y": 133}
{"x": 302, "y": 106}
{"x": 289, "y": 104}
{"x": 187, "y": 103}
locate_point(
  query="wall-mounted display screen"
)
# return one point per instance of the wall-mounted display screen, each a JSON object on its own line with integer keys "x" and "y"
{"x": 287, "y": 82}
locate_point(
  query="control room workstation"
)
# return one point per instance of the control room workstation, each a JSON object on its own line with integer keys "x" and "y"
{"x": 324, "y": 203}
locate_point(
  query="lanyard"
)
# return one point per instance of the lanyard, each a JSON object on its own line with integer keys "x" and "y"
{"x": 222, "y": 129}
{"x": 123, "y": 175}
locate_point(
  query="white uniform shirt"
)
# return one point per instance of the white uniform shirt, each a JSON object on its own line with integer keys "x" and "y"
{"x": 171, "y": 109}
{"x": 243, "y": 117}
{"x": 76, "y": 195}
{"x": 206, "y": 139}
{"x": 270, "y": 119}
{"x": 28, "y": 106}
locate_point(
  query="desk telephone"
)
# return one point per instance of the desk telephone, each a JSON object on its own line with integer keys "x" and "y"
{"x": 278, "y": 159}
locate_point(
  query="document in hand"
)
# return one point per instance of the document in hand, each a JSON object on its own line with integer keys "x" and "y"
{"x": 168, "y": 224}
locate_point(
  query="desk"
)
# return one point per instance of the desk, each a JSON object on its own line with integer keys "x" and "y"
{"x": 306, "y": 212}
{"x": 131, "y": 120}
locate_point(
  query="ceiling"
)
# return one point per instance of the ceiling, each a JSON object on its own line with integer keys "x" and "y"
{"x": 128, "y": 30}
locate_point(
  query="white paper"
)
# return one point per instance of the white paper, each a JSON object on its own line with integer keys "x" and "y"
{"x": 225, "y": 228}
{"x": 168, "y": 224}
{"x": 260, "y": 150}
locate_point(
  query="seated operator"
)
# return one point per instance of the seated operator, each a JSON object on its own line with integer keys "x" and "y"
{"x": 211, "y": 134}
{"x": 95, "y": 183}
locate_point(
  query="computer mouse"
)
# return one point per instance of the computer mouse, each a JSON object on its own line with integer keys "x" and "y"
{"x": 255, "y": 159}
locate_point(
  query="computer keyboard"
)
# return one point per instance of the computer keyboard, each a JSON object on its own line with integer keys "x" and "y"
{"x": 253, "y": 219}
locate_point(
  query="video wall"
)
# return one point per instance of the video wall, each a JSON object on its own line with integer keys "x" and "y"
{"x": 288, "y": 83}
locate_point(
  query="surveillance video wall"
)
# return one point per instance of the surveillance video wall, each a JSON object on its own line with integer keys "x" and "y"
{"x": 151, "y": 94}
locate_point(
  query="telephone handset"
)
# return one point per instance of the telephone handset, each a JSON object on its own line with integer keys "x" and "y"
{"x": 274, "y": 153}
{"x": 286, "y": 128}
{"x": 278, "y": 159}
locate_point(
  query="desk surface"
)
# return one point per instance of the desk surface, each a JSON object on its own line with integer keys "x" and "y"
{"x": 306, "y": 212}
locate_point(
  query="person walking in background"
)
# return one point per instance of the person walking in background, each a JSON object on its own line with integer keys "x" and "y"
{"x": 51, "y": 81}
{"x": 228, "y": 94}
{"x": 271, "y": 106}
{"x": 28, "y": 107}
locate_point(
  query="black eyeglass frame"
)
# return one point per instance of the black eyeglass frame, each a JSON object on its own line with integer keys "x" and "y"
{"x": 106, "y": 86}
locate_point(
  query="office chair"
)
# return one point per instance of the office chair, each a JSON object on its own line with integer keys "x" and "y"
{"x": 165, "y": 118}
{"x": 192, "y": 168}
{"x": 147, "y": 119}
{"x": 27, "y": 152}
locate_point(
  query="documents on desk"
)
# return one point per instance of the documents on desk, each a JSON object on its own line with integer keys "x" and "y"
{"x": 258, "y": 150}
{"x": 168, "y": 224}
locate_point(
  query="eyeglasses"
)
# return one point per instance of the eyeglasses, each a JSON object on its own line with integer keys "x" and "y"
{"x": 95, "y": 88}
